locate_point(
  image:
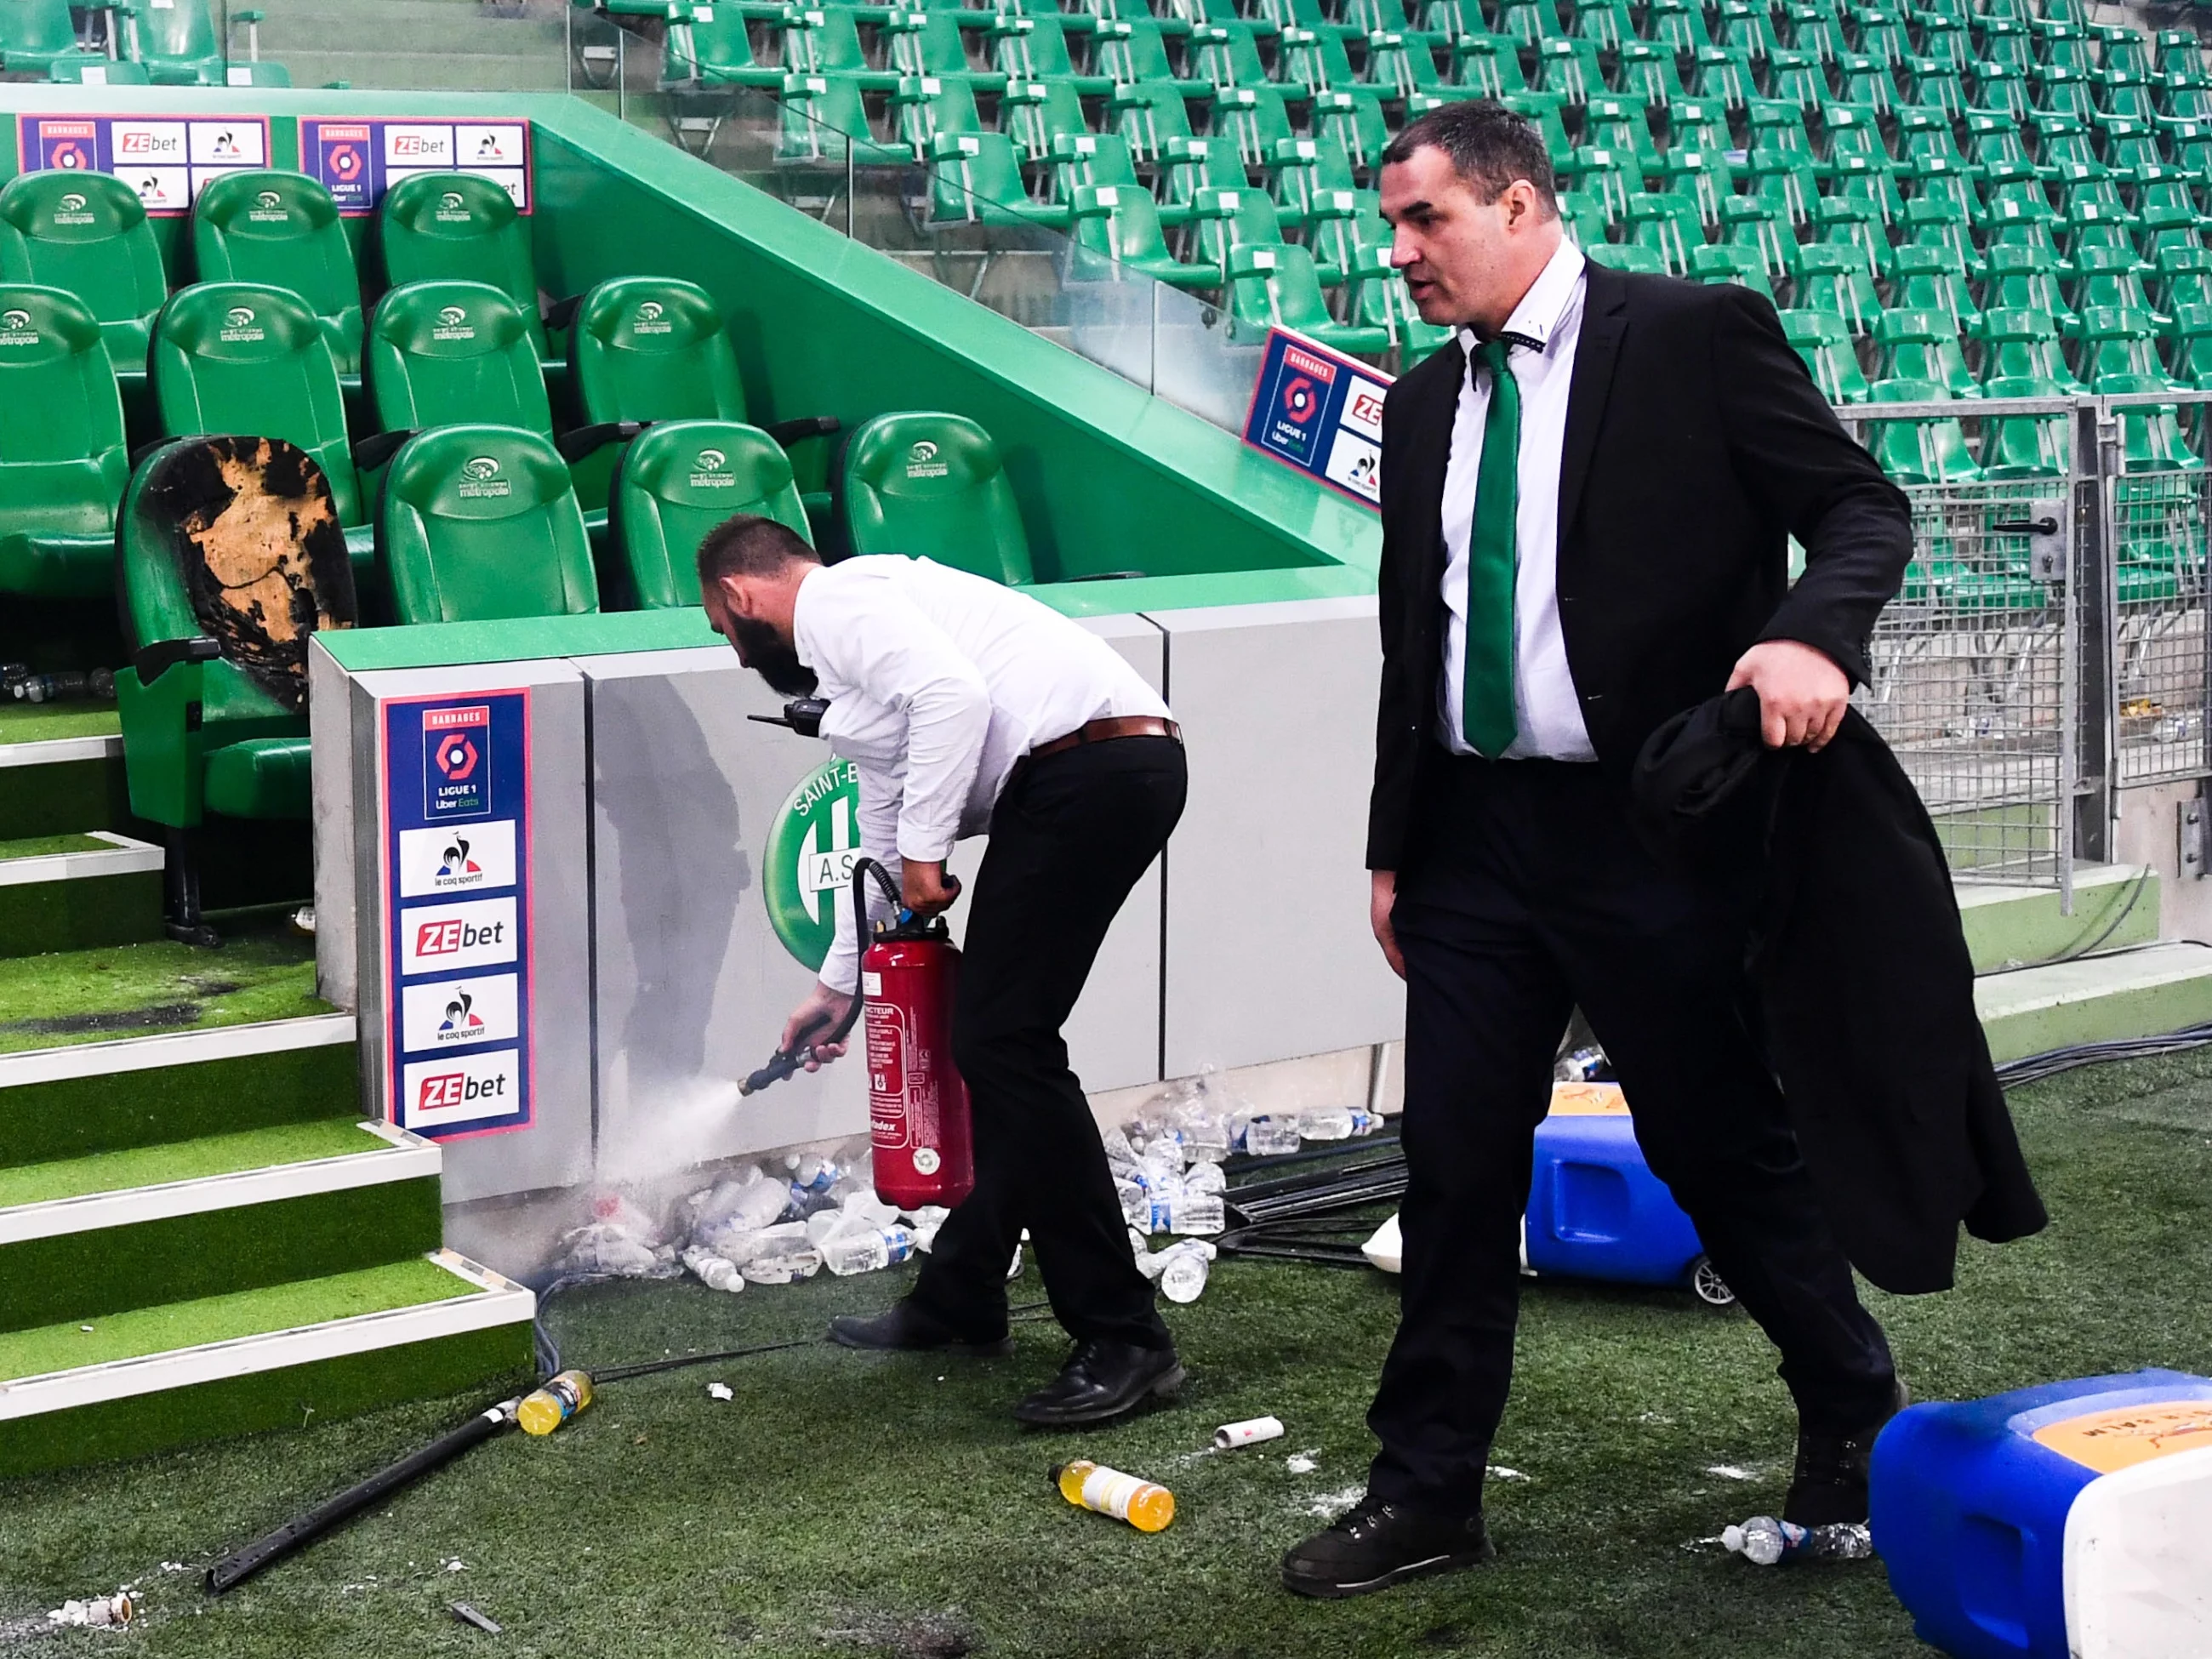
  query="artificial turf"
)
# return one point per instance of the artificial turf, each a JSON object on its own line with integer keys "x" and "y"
{"x": 263, "y": 971}
{"x": 37, "y": 722}
{"x": 39, "y": 847}
{"x": 850, "y": 1505}
{"x": 188, "y": 1160}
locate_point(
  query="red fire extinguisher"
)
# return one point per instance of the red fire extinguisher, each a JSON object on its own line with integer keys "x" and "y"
{"x": 918, "y": 1120}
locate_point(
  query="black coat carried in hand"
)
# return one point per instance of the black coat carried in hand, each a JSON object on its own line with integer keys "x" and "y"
{"x": 1865, "y": 984}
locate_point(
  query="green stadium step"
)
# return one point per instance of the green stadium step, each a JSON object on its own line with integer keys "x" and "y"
{"x": 2129, "y": 993}
{"x": 69, "y": 1102}
{"x": 102, "y": 1234}
{"x": 160, "y": 1377}
{"x": 73, "y": 892}
{"x": 58, "y": 785}
{"x": 2010, "y": 927}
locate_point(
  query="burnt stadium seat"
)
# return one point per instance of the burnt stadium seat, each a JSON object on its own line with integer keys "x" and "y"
{"x": 934, "y": 485}
{"x": 676, "y": 482}
{"x": 283, "y": 229}
{"x": 213, "y": 702}
{"x": 87, "y": 234}
{"x": 63, "y": 462}
{"x": 481, "y": 523}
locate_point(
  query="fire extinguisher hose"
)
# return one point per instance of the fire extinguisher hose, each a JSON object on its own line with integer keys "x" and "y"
{"x": 785, "y": 1062}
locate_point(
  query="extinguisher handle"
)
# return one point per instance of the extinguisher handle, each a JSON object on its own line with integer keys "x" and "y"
{"x": 785, "y": 1062}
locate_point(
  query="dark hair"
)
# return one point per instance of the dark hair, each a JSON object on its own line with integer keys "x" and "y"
{"x": 1489, "y": 145}
{"x": 749, "y": 546}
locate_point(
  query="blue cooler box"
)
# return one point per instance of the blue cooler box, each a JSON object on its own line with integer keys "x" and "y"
{"x": 1595, "y": 1210}
{"x": 2074, "y": 1518}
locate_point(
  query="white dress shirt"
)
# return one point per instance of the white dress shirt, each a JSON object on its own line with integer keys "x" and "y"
{"x": 938, "y": 682}
{"x": 1547, "y": 710}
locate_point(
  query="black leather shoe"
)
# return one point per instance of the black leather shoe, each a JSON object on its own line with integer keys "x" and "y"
{"x": 1101, "y": 1379}
{"x": 1829, "y": 1484}
{"x": 907, "y": 1328}
{"x": 1379, "y": 1544}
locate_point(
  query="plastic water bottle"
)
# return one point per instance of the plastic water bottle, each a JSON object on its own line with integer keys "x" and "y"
{"x": 788, "y": 1262}
{"x": 1136, "y": 1203}
{"x": 1143, "y": 1504}
{"x": 864, "y": 1250}
{"x": 1273, "y": 1135}
{"x": 69, "y": 683}
{"x": 1189, "y": 1212}
{"x": 1765, "y": 1542}
{"x": 1182, "y": 1275}
{"x": 1330, "y": 1123}
{"x": 716, "y": 1272}
{"x": 1205, "y": 1178}
{"x": 553, "y": 1404}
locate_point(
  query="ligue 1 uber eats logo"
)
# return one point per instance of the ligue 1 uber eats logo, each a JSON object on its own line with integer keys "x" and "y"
{"x": 806, "y": 877}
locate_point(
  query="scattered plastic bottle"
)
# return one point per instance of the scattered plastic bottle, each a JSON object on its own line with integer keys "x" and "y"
{"x": 1182, "y": 1275}
{"x": 1145, "y": 1505}
{"x": 1584, "y": 1065}
{"x": 1273, "y": 1135}
{"x": 716, "y": 1272}
{"x": 788, "y": 1263}
{"x": 1765, "y": 1542}
{"x": 101, "y": 1612}
{"x": 864, "y": 1251}
{"x": 554, "y": 1403}
{"x": 1330, "y": 1123}
{"x": 63, "y": 687}
{"x": 1205, "y": 1178}
{"x": 744, "y": 1203}
{"x": 1189, "y": 1212}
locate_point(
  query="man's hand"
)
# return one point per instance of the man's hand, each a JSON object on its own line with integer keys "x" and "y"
{"x": 822, "y": 1012}
{"x": 1801, "y": 693}
{"x": 927, "y": 888}
{"x": 1382, "y": 894}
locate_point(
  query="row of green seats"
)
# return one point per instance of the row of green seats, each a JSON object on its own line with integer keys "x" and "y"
{"x": 163, "y": 43}
{"x": 87, "y": 232}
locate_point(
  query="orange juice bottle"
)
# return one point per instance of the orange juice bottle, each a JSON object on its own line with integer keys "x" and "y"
{"x": 1092, "y": 1486}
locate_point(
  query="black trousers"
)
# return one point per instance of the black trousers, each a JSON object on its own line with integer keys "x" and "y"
{"x": 1071, "y": 835}
{"x": 1527, "y": 894}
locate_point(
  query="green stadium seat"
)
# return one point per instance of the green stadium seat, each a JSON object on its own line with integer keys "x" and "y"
{"x": 458, "y": 226}
{"x": 2184, "y": 277}
{"x": 2109, "y": 278}
{"x": 715, "y": 50}
{"x": 1546, "y": 111}
{"x": 1701, "y": 175}
{"x": 1811, "y": 32}
{"x": 1278, "y": 288}
{"x": 213, "y": 702}
{"x": 933, "y": 485}
{"x": 676, "y": 482}
{"x": 1923, "y": 346}
{"x": 921, "y": 42}
{"x": 1833, "y": 278}
{"x": 1586, "y": 219}
{"x": 1146, "y": 114}
{"x": 976, "y": 178}
{"x": 824, "y": 41}
{"x": 1352, "y": 119}
{"x": 176, "y": 43}
{"x": 1747, "y": 26}
{"x": 1031, "y": 49}
{"x": 1085, "y": 159}
{"x": 1725, "y": 264}
{"x": 62, "y": 462}
{"x": 1931, "y": 278}
{"x": 1930, "y": 84}
{"x": 1528, "y": 22}
{"x": 1622, "y": 127}
{"x": 1252, "y": 120}
{"x": 450, "y": 353}
{"x": 2189, "y": 346}
{"x": 1487, "y": 63}
{"x": 925, "y": 108}
{"x": 1784, "y": 179}
{"x": 1301, "y": 177}
{"x": 1796, "y": 77}
{"x": 1223, "y": 220}
{"x": 86, "y": 234}
{"x": 1134, "y": 52}
{"x": 1379, "y": 300}
{"x": 1228, "y": 55}
{"x": 1998, "y": 88}
{"x": 1608, "y": 23}
{"x": 2024, "y": 278}
{"x": 1569, "y": 70}
{"x": 88, "y": 72}
{"x": 36, "y": 34}
{"x": 1750, "y": 223}
{"x": 2002, "y": 42}
{"x": 2020, "y": 446}
{"x": 1725, "y": 75}
{"x": 248, "y": 359}
{"x": 1866, "y": 81}
{"x": 1669, "y": 222}
{"x": 1927, "y": 449}
{"x": 1634, "y": 257}
{"x": 283, "y": 229}
{"x": 1038, "y": 114}
{"x": 1700, "y": 124}
{"x": 1678, "y": 24}
{"x": 1310, "y": 62}
{"x": 1400, "y": 67}
{"x": 1646, "y": 72}
{"x": 479, "y": 523}
{"x": 823, "y": 122}
{"x": 1117, "y": 229}
{"x": 1823, "y": 340}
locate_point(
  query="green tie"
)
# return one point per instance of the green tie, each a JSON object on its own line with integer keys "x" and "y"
{"x": 1486, "y": 696}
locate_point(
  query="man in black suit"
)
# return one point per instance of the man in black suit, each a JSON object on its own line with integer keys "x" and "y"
{"x": 1586, "y": 502}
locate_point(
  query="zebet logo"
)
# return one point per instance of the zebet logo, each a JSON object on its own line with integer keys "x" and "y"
{"x": 435, "y": 938}
{"x": 460, "y": 1088}
{"x": 922, "y": 461}
{"x": 710, "y": 472}
{"x": 15, "y": 329}
{"x": 480, "y": 480}
{"x": 806, "y": 878}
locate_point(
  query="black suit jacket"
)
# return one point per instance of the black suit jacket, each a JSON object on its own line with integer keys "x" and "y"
{"x": 1697, "y": 445}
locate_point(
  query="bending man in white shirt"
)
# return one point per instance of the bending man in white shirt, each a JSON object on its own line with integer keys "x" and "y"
{"x": 968, "y": 709}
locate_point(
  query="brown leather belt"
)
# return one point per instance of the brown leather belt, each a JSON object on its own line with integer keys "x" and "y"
{"x": 1105, "y": 730}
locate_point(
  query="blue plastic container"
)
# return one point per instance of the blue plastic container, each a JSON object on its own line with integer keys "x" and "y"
{"x": 1970, "y": 1502}
{"x": 1595, "y": 1210}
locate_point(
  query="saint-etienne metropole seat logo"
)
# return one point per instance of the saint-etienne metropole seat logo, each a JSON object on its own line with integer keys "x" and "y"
{"x": 806, "y": 876}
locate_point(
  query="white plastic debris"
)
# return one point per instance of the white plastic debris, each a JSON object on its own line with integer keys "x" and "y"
{"x": 1765, "y": 1542}
{"x": 1250, "y": 1432}
{"x": 103, "y": 1610}
{"x": 1387, "y": 1249}
{"x": 720, "y": 1391}
{"x": 715, "y": 1271}
{"x": 1300, "y": 1463}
